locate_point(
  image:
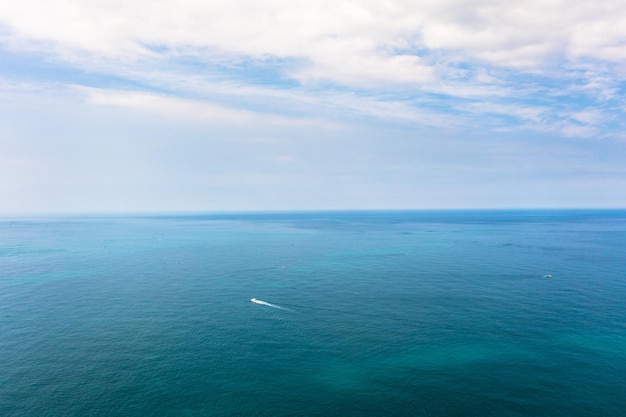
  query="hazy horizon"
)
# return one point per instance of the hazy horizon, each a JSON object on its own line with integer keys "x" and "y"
{"x": 302, "y": 212}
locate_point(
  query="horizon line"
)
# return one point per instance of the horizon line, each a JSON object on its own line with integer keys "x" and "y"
{"x": 182, "y": 213}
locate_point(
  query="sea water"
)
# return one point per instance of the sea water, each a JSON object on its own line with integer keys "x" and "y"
{"x": 425, "y": 313}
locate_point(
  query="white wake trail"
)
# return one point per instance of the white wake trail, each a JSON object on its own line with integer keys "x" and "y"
{"x": 265, "y": 303}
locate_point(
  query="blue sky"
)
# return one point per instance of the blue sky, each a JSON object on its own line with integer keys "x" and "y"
{"x": 281, "y": 105}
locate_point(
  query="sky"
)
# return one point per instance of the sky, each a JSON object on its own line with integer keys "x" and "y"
{"x": 240, "y": 105}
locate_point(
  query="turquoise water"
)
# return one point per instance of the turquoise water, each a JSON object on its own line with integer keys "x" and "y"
{"x": 383, "y": 313}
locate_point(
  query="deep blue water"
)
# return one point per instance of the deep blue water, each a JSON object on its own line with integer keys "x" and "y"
{"x": 442, "y": 313}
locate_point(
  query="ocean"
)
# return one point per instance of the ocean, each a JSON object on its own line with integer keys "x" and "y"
{"x": 371, "y": 313}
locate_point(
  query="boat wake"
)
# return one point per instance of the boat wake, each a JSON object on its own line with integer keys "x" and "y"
{"x": 265, "y": 303}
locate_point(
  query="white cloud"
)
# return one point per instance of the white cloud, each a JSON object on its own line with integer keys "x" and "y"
{"x": 366, "y": 69}
{"x": 166, "y": 106}
{"x": 190, "y": 109}
{"x": 577, "y": 131}
{"x": 525, "y": 113}
{"x": 365, "y": 43}
{"x": 433, "y": 63}
{"x": 590, "y": 117}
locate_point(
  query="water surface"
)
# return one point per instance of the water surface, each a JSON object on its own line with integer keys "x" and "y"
{"x": 435, "y": 313}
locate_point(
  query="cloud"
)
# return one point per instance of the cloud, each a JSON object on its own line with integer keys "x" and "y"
{"x": 570, "y": 130}
{"x": 592, "y": 117}
{"x": 524, "y": 113}
{"x": 409, "y": 97}
{"x": 367, "y": 43}
{"x": 458, "y": 48}
{"x": 365, "y": 69}
{"x": 191, "y": 110}
{"x": 167, "y": 106}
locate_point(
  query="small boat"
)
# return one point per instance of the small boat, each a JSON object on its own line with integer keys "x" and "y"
{"x": 547, "y": 276}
